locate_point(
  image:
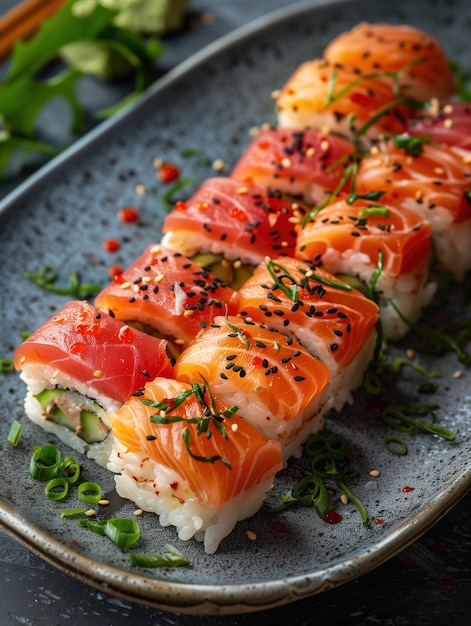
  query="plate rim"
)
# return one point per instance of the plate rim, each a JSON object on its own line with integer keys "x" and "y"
{"x": 209, "y": 599}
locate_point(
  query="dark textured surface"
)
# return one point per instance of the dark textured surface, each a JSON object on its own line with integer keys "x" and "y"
{"x": 426, "y": 584}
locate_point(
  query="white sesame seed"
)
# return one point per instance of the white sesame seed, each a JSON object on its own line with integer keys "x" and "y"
{"x": 234, "y": 427}
{"x": 438, "y": 170}
{"x": 343, "y": 499}
{"x": 141, "y": 190}
{"x": 374, "y": 473}
{"x": 103, "y": 502}
{"x": 90, "y": 513}
{"x": 251, "y": 535}
{"x": 242, "y": 191}
{"x": 447, "y": 109}
{"x": 285, "y": 162}
{"x": 457, "y": 374}
{"x": 410, "y": 354}
{"x": 125, "y": 285}
{"x": 276, "y": 93}
{"x": 98, "y": 373}
{"x": 138, "y": 512}
{"x": 448, "y": 123}
{"x": 219, "y": 165}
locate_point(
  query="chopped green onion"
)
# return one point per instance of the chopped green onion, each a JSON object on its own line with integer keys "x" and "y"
{"x": 15, "y": 433}
{"x": 123, "y": 532}
{"x": 170, "y": 558}
{"x": 70, "y": 469}
{"x": 167, "y": 198}
{"x": 57, "y": 488}
{"x": 399, "y": 362}
{"x": 89, "y": 492}
{"x": 72, "y": 512}
{"x": 395, "y": 445}
{"x": 354, "y": 500}
{"x": 97, "y": 526}
{"x": 45, "y": 462}
{"x": 6, "y": 365}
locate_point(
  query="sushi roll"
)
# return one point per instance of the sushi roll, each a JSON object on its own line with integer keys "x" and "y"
{"x": 302, "y": 163}
{"x": 79, "y": 367}
{"x": 432, "y": 181}
{"x": 418, "y": 62}
{"x": 386, "y": 248}
{"x": 184, "y": 455}
{"x": 333, "y": 320}
{"x": 359, "y": 107}
{"x": 446, "y": 123}
{"x": 234, "y": 223}
{"x": 278, "y": 386}
{"x": 163, "y": 292}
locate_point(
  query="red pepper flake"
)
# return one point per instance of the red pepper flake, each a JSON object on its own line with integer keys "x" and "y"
{"x": 74, "y": 542}
{"x": 257, "y": 360}
{"x": 128, "y": 215}
{"x": 238, "y": 214}
{"x": 408, "y": 561}
{"x": 407, "y": 489}
{"x": 168, "y": 173}
{"x": 174, "y": 485}
{"x": 280, "y": 524}
{"x": 180, "y": 205}
{"x": 116, "y": 271}
{"x": 378, "y": 521}
{"x": 111, "y": 245}
{"x": 332, "y": 517}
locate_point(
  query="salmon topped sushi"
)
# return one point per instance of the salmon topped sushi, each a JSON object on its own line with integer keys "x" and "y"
{"x": 242, "y": 222}
{"x": 278, "y": 386}
{"x": 359, "y": 107}
{"x": 387, "y": 248}
{"x": 333, "y": 320}
{"x": 432, "y": 181}
{"x": 162, "y": 292}
{"x": 80, "y": 365}
{"x": 183, "y": 454}
{"x": 410, "y": 56}
{"x": 302, "y": 163}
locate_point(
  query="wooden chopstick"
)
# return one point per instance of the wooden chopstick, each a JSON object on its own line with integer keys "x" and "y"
{"x": 23, "y": 20}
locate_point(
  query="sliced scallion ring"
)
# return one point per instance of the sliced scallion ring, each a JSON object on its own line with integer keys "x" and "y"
{"x": 70, "y": 469}
{"x": 89, "y": 492}
{"x": 395, "y": 445}
{"x": 122, "y": 531}
{"x": 95, "y": 525}
{"x": 57, "y": 488}
{"x": 45, "y": 462}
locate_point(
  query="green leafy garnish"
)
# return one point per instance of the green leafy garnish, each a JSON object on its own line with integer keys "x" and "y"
{"x": 210, "y": 418}
{"x": 47, "y": 277}
{"x": 400, "y": 417}
{"x": 76, "y": 28}
{"x": 326, "y": 453}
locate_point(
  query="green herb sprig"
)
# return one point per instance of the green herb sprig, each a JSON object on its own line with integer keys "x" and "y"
{"x": 210, "y": 417}
{"x": 47, "y": 277}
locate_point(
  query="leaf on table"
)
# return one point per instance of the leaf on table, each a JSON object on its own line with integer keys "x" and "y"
{"x": 21, "y": 104}
{"x": 62, "y": 29}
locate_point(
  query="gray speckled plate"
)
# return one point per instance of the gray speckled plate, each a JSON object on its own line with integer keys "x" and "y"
{"x": 60, "y": 217}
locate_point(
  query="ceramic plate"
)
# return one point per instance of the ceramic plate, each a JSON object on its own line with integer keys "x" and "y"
{"x": 60, "y": 217}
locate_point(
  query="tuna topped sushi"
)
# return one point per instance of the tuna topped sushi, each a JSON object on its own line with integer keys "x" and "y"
{"x": 183, "y": 454}
{"x": 278, "y": 386}
{"x": 302, "y": 163}
{"x": 334, "y": 321}
{"x": 238, "y": 222}
{"x": 162, "y": 292}
{"x": 80, "y": 366}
